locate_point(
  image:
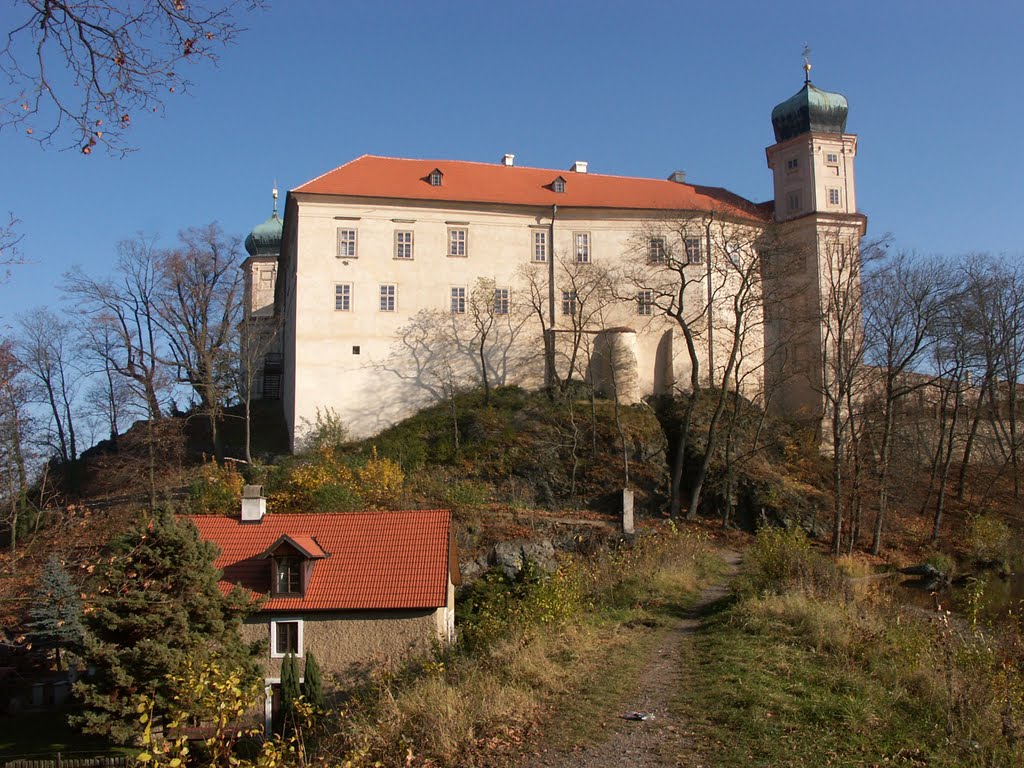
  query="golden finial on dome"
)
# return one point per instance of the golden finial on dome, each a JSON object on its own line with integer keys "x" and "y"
{"x": 807, "y": 63}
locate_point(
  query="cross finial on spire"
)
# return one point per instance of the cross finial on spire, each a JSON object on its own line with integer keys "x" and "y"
{"x": 807, "y": 63}
{"x": 275, "y": 197}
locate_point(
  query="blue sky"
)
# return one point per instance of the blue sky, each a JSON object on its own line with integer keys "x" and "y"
{"x": 635, "y": 88}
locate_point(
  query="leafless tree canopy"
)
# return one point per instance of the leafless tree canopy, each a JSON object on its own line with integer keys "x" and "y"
{"x": 79, "y": 71}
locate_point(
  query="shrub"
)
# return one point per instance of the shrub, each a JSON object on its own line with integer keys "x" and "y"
{"x": 380, "y": 481}
{"x": 988, "y": 537}
{"x": 465, "y": 495}
{"x": 216, "y": 489}
{"x": 782, "y": 560}
{"x": 317, "y": 483}
{"x": 326, "y": 431}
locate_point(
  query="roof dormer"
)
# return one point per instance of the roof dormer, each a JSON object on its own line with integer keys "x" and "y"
{"x": 435, "y": 177}
{"x": 558, "y": 185}
{"x": 291, "y": 564}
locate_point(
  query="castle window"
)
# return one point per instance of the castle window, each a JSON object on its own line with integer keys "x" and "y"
{"x": 388, "y": 297}
{"x": 501, "y": 301}
{"x": 459, "y": 300}
{"x": 457, "y": 242}
{"x": 346, "y": 243}
{"x": 343, "y": 297}
{"x": 833, "y": 196}
{"x": 656, "y": 250}
{"x": 793, "y": 201}
{"x": 435, "y": 177}
{"x": 558, "y": 185}
{"x": 403, "y": 244}
{"x": 568, "y": 302}
{"x": 693, "y": 251}
{"x": 793, "y": 165}
{"x": 645, "y": 302}
{"x": 582, "y": 241}
{"x": 540, "y": 246}
{"x": 831, "y": 158}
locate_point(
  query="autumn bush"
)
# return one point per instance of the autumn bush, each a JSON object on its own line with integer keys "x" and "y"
{"x": 216, "y": 489}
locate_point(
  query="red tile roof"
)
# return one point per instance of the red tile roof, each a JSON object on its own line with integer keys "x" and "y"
{"x": 306, "y": 545}
{"x": 374, "y": 559}
{"x": 372, "y": 176}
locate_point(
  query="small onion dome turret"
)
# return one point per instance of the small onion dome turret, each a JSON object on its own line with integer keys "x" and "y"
{"x": 265, "y": 238}
{"x": 810, "y": 109}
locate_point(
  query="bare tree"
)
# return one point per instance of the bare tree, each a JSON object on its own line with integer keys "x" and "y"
{"x": 258, "y": 337}
{"x": 126, "y": 305}
{"x": 48, "y": 351}
{"x": 9, "y": 239}
{"x": 902, "y": 300}
{"x": 198, "y": 306}
{"x": 841, "y": 353}
{"x": 496, "y": 318}
{"x": 13, "y": 417}
{"x": 80, "y": 71}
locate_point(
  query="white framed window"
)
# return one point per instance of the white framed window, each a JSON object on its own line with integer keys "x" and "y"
{"x": 582, "y": 245}
{"x": 388, "y": 297}
{"x": 347, "y": 243}
{"x": 693, "y": 250}
{"x": 833, "y": 196}
{"x": 793, "y": 165}
{"x": 558, "y": 185}
{"x": 656, "y": 250}
{"x": 435, "y": 177}
{"x": 501, "y": 301}
{"x": 568, "y": 302}
{"x": 457, "y": 238}
{"x": 832, "y": 158}
{"x": 403, "y": 244}
{"x": 645, "y": 302}
{"x": 458, "y": 300}
{"x": 343, "y": 297}
{"x": 793, "y": 201}
{"x": 540, "y": 245}
{"x": 285, "y": 637}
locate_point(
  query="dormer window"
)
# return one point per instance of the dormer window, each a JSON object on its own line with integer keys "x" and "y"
{"x": 436, "y": 177}
{"x": 287, "y": 576}
{"x": 292, "y": 559}
{"x": 558, "y": 185}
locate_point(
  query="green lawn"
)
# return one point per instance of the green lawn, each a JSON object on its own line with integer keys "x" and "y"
{"x": 47, "y": 732}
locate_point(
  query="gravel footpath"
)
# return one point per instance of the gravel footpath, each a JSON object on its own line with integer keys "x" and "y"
{"x": 664, "y": 741}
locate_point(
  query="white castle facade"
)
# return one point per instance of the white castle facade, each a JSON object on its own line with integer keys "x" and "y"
{"x": 392, "y": 283}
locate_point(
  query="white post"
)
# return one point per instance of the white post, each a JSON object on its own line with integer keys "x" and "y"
{"x": 627, "y": 510}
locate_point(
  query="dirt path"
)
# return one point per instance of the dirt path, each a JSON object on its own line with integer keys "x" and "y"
{"x": 664, "y": 741}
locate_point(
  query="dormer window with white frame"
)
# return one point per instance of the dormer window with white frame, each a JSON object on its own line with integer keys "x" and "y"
{"x": 436, "y": 177}
{"x": 558, "y": 185}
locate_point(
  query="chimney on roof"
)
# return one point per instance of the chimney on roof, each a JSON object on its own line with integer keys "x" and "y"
{"x": 509, "y": 159}
{"x": 679, "y": 177}
{"x": 580, "y": 166}
{"x": 254, "y": 504}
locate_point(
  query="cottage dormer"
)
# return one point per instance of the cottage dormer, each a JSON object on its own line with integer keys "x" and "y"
{"x": 436, "y": 177}
{"x": 292, "y": 559}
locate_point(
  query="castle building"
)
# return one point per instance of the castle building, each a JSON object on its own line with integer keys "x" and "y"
{"x": 394, "y": 282}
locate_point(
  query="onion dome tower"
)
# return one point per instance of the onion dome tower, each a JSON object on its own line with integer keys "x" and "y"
{"x": 812, "y": 163}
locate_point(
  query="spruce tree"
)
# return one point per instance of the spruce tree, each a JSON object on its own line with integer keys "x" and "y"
{"x": 156, "y": 603}
{"x": 312, "y": 687}
{"x": 289, "y": 691}
{"x": 56, "y": 612}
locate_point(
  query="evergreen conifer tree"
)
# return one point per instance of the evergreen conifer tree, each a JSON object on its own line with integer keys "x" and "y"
{"x": 289, "y": 691}
{"x": 312, "y": 687}
{"x": 56, "y": 612}
{"x": 156, "y": 604}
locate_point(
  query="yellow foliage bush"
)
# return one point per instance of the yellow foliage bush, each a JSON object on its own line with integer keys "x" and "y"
{"x": 310, "y": 479}
{"x": 380, "y": 481}
{"x": 216, "y": 489}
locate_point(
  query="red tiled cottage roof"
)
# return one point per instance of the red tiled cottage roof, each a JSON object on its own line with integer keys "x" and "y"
{"x": 467, "y": 182}
{"x": 374, "y": 560}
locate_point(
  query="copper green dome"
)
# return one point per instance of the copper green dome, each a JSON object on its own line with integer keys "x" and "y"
{"x": 810, "y": 109}
{"x": 265, "y": 238}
